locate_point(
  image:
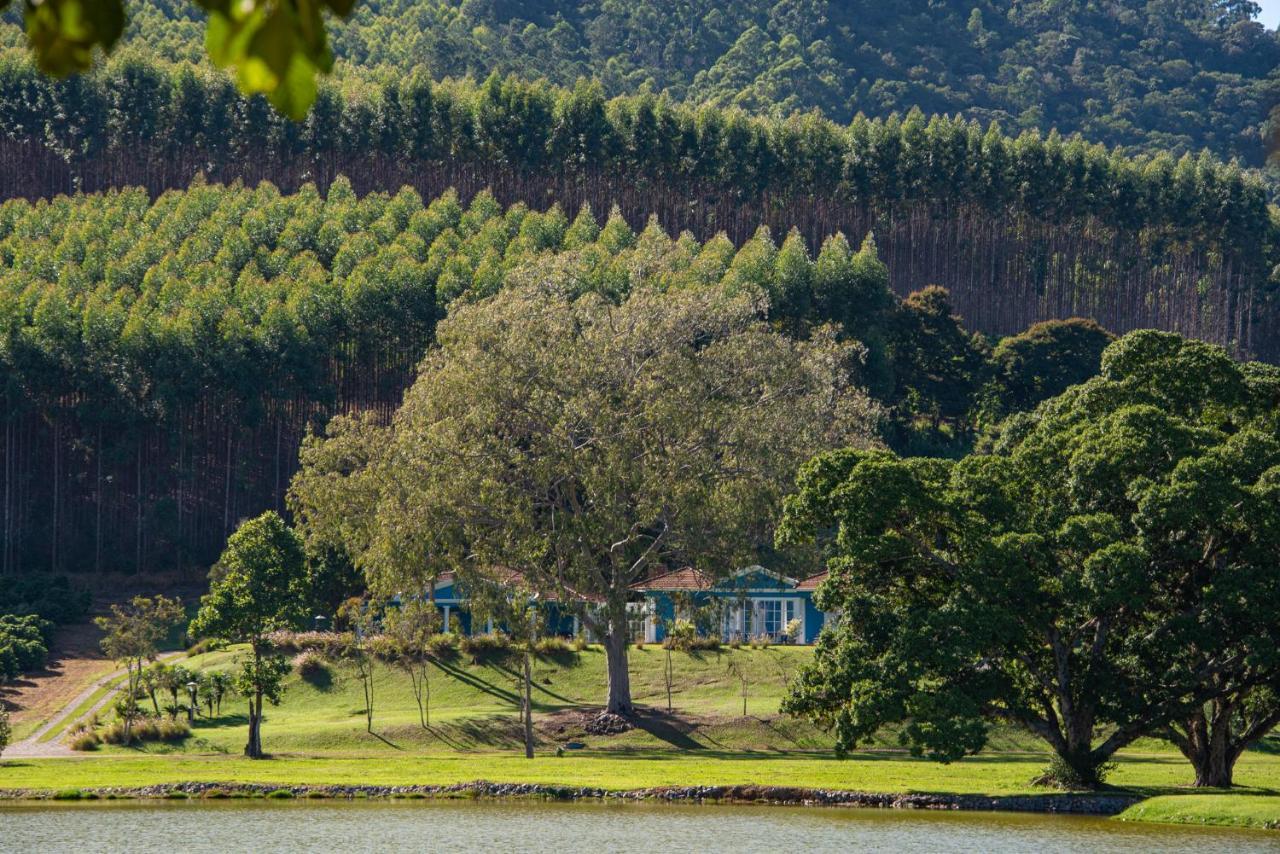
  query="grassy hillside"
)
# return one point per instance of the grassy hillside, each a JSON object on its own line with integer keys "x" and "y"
{"x": 475, "y": 706}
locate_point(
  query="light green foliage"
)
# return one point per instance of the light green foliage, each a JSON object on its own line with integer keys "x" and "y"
{"x": 1110, "y": 562}
{"x": 257, "y": 585}
{"x": 275, "y": 48}
{"x": 132, "y": 634}
{"x": 600, "y": 438}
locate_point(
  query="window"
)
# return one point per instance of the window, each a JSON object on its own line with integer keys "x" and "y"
{"x": 771, "y": 622}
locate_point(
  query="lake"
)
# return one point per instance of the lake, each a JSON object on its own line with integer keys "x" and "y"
{"x": 403, "y": 826}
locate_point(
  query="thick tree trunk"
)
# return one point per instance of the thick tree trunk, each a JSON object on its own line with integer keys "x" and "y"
{"x": 615, "y": 651}
{"x": 1208, "y": 745}
{"x": 253, "y": 749}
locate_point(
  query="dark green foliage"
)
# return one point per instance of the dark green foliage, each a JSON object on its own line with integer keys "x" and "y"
{"x": 23, "y": 644}
{"x": 1044, "y": 361}
{"x": 1106, "y": 570}
{"x": 257, "y": 587}
{"x": 1145, "y": 76}
{"x": 51, "y": 597}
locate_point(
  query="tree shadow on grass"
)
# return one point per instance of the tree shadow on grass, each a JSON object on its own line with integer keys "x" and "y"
{"x": 669, "y": 728}
{"x": 479, "y": 684}
{"x": 386, "y": 741}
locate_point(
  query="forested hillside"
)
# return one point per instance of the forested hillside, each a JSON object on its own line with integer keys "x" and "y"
{"x": 163, "y": 360}
{"x": 1177, "y": 75}
{"x": 1017, "y": 229}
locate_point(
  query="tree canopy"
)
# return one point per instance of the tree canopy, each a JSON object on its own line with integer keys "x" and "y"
{"x": 584, "y": 439}
{"x": 1108, "y": 563}
{"x": 1144, "y": 76}
{"x": 257, "y": 587}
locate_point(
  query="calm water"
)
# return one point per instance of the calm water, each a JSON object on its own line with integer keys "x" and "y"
{"x": 548, "y": 827}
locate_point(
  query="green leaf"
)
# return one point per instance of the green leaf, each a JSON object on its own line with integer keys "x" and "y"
{"x": 64, "y": 33}
{"x": 275, "y": 48}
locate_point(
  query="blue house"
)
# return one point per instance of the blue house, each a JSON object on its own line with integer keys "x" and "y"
{"x": 453, "y": 600}
{"x": 754, "y": 602}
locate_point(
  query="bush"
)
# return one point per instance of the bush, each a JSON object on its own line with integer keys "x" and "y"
{"x": 442, "y": 645}
{"x": 311, "y": 666}
{"x": 579, "y": 644}
{"x": 684, "y": 637}
{"x": 1060, "y": 775}
{"x": 23, "y": 644}
{"x": 553, "y": 645}
{"x": 206, "y": 645}
{"x": 51, "y": 597}
{"x": 331, "y": 644}
{"x": 85, "y": 739}
{"x": 148, "y": 730}
{"x": 491, "y": 645}
{"x": 5, "y": 731}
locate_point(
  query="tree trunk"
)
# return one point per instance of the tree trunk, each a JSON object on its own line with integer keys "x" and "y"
{"x": 1208, "y": 745}
{"x": 528, "y": 704}
{"x": 253, "y": 749}
{"x": 619, "y": 679}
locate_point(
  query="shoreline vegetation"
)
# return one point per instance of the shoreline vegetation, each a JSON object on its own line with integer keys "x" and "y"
{"x": 1239, "y": 810}
{"x": 701, "y": 753}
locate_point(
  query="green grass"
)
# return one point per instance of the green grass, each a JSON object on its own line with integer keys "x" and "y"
{"x": 1239, "y": 810}
{"x": 318, "y": 737}
{"x": 58, "y": 731}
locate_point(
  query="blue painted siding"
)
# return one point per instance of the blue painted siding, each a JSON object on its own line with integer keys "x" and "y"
{"x": 761, "y": 586}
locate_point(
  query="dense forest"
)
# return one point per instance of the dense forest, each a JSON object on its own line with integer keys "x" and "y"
{"x": 164, "y": 359}
{"x": 1018, "y": 229}
{"x": 1175, "y": 75}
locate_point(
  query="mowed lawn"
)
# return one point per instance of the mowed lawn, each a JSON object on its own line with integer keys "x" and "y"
{"x": 318, "y": 737}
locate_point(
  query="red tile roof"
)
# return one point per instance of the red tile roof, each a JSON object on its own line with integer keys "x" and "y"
{"x": 812, "y": 582}
{"x": 687, "y": 578}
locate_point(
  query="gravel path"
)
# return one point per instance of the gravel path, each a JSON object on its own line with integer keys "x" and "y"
{"x": 33, "y": 748}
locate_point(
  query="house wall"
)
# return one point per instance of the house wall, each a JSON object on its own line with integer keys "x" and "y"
{"x": 663, "y": 609}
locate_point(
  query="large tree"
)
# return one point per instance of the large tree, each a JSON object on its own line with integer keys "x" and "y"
{"x": 1110, "y": 563}
{"x": 585, "y": 442}
{"x": 257, "y": 587}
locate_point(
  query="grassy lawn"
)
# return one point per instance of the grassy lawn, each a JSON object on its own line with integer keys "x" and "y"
{"x": 318, "y": 737}
{"x": 1239, "y": 810}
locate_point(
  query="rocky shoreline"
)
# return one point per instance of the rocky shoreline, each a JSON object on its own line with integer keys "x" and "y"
{"x": 1097, "y": 804}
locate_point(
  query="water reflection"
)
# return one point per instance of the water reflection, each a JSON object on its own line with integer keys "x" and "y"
{"x": 537, "y": 826}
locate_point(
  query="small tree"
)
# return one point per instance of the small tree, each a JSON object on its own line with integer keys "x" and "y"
{"x": 151, "y": 679}
{"x": 517, "y": 608}
{"x": 5, "y": 731}
{"x": 257, "y": 587}
{"x": 737, "y": 669}
{"x": 133, "y": 635}
{"x": 408, "y": 630}
{"x": 360, "y": 615}
{"x": 216, "y": 685}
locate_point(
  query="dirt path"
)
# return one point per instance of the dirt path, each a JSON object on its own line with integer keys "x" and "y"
{"x": 33, "y": 748}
